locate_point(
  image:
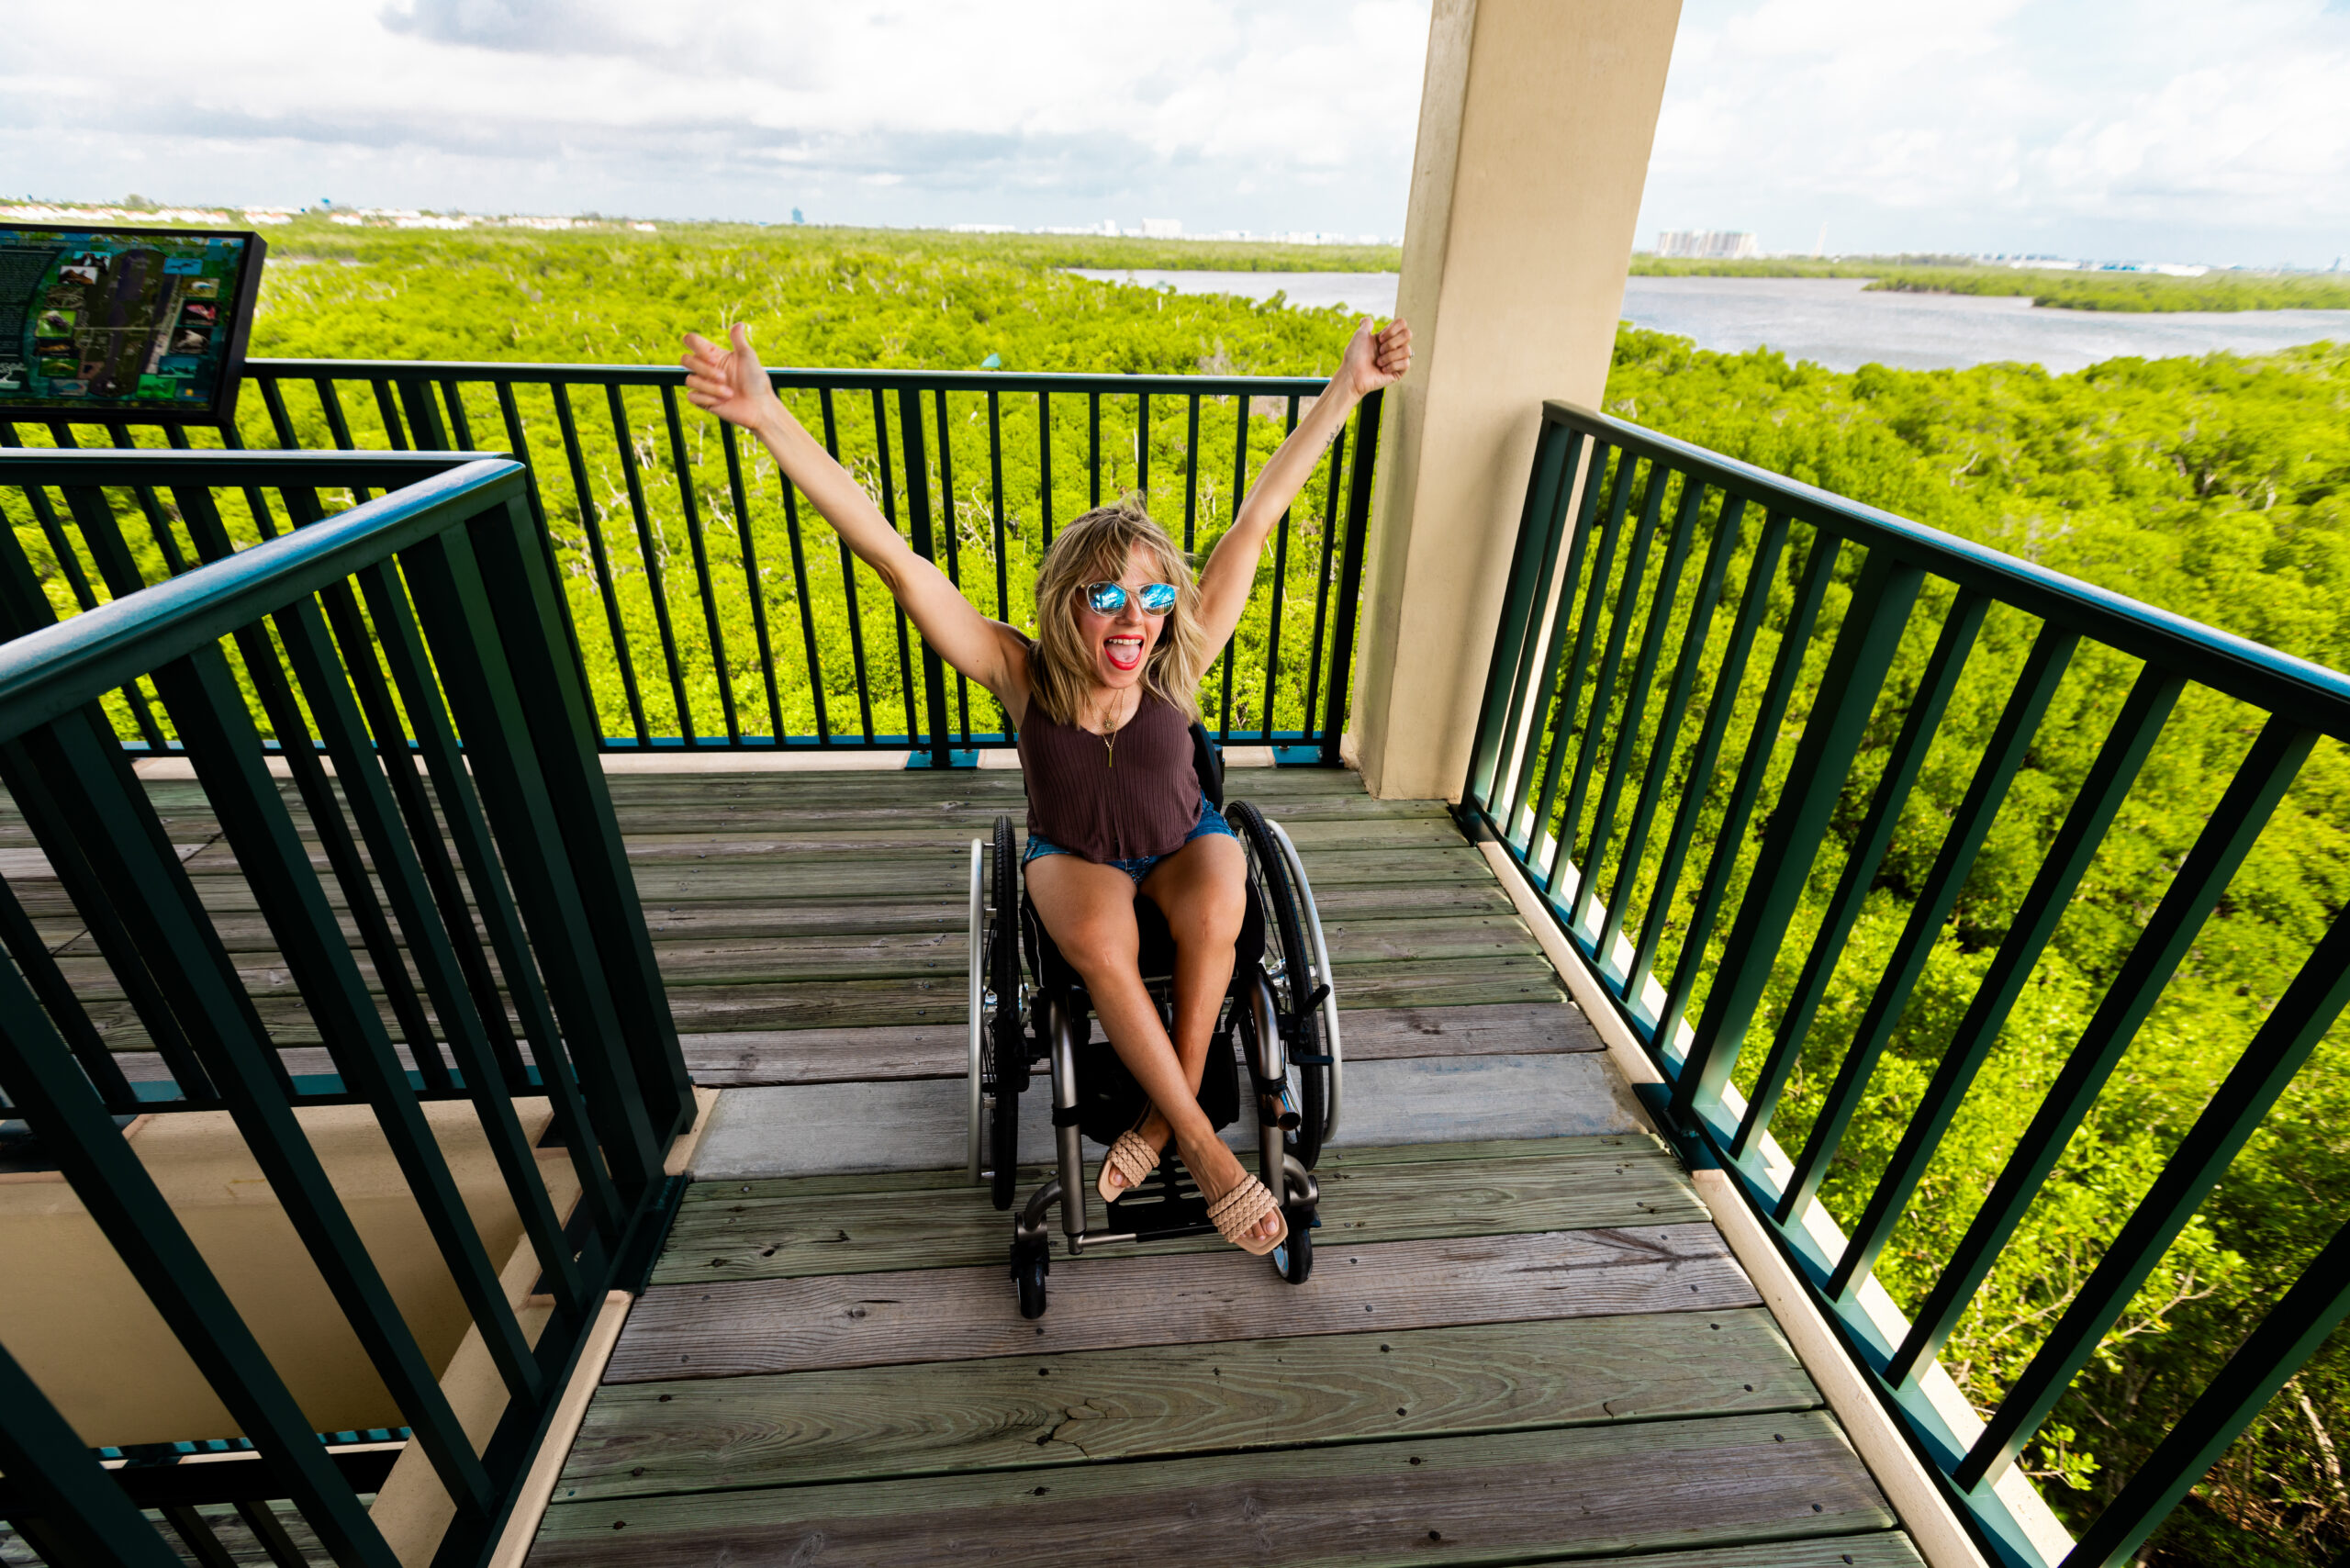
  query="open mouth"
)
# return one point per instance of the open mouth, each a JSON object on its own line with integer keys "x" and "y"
{"x": 1124, "y": 653}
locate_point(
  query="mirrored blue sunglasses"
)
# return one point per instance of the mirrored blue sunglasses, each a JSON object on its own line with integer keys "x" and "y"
{"x": 1108, "y": 599}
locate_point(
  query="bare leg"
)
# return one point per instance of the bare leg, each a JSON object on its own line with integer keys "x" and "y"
{"x": 1201, "y": 888}
{"x": 1088, "y": 910}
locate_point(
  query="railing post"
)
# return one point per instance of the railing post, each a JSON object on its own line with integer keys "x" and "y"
{"x": 1342, "y": 636}
{"x": 933, "y": 670}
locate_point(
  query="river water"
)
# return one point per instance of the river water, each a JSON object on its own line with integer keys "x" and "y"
{"x": 1834, "y": 322}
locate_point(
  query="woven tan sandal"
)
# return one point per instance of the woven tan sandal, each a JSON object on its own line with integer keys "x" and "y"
{"x": 1239, "y": 1211}
{"x": 1131, "y": 1157}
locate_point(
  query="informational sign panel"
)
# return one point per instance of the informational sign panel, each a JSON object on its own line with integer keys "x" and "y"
{"x": 125, "y": 325}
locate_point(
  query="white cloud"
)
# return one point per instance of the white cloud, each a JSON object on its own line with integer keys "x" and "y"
{"x": 2156, "y": 127}
{"x": 1230, "y": 115}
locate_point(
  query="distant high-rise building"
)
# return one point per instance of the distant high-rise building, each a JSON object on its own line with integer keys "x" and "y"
{"x": 1162, "y": 228}
{"x": 1707, "y": 244}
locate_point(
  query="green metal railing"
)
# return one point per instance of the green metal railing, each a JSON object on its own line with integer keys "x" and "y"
{"x": 706, "y": 611}
{"x": 1731, "y": 593}
{"x": 470, "y": 855}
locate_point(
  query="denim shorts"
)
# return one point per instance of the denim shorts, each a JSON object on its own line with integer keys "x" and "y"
{"x": 1211, "y": 820}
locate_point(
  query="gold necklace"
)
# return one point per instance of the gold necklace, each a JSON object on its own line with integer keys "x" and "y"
{"x": 1110, "y": 736}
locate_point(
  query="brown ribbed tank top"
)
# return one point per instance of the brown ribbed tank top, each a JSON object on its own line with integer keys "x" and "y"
{"x": 1140, "y": 798}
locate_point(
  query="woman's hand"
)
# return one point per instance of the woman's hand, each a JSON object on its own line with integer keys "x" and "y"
{"x": 1376, "y": 359}
{"x": 729, "y": 383}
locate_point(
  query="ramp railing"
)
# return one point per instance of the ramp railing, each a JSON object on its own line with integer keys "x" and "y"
{"x": 1750, "y": 740}
{"x": 395, "y": 880}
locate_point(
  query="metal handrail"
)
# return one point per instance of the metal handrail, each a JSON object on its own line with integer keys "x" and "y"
{"x": 656, "y": 613}
{"x": 466, "y": 832}
{"x": 1582, "y": 742}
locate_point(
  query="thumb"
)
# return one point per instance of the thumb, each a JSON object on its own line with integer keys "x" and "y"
{"x": 740, "y": 336}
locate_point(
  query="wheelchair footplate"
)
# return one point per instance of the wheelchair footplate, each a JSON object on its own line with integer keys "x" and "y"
{"x": 1164, "y": 1206}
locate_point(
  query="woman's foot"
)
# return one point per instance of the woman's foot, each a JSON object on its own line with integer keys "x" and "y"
{"x": 1218, "y": 1171}
{"x": 1152, "y": 1131}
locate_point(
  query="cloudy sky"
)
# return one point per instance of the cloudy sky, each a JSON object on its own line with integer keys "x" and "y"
{"x": 2172, "y": 129}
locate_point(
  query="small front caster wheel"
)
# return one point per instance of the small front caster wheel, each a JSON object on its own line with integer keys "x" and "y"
{"x": 1294, "y": 1257}
{"x": 1028, "y": 1272}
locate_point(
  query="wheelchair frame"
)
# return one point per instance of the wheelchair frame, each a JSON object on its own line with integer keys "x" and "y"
{"x": 1276, "y": 1021}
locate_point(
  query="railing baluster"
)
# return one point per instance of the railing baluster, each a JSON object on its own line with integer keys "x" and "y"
{"x": 2269, "y": 768}
{"x": 1668, "y": 722}
{"x": 1092, "y": 449}
{"x": 69, "y": 564}
{"x": 112, "y": 820}
{"x": 805, "y": 602}
{"x": 1864, "y": 652}
{"x": 2010, "y": 743}
{"x": 1761, "y": 741}
{"x": 752, "y": 584}
{"x": 132, "y": 1214}
{"x": 269, "y": 853}
{"x": 1231, "y": 644}
{"x": 848, "y": 584}
{"x": 1273, "y": 610}
{"x": 1636, "y": 697}
{"x": 614, "y": 624}
{"x": 897, "y": 610}
{"x": 1330, "y": 547}
{"x": 1510, "y": 688}
{"x": 946, "y": 521}
{"x": 2293, "y": 1331}
{"x": 1191, "y": 474}
{"x": 1560, "y": 695}
{"x": 995, "y": 509}
{"x": 702, "y": 566}
{"x": 1142, "y": 445}
{"x": 401, "y": 642}
{"x": 2102, "y": 791}
{"x": 82, "y": 1513}
{"x": 510, "y": 412}
{"x": 1044, "y": 463}
{"x": 648, "y": 545}
{"x": 1603, "y": 694}
{"x": 918, "y": 521}
{"x": 1342, "y": 640}
{"x": 331, "y": 405}
{"x": 23, "y": 944}
{"x": 495, "y": 724}
{"x": 1919, "y": 727}
{"x": 2285, "y": 1039}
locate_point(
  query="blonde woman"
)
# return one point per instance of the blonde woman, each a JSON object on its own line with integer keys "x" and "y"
{"x": 1103, "y": 698}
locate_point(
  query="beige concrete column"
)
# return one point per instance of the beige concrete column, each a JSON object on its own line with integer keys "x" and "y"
{"x": 1535, "y": 127}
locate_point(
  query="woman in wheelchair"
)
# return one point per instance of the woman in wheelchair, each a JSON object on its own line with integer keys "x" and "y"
{"x": 1103, "y": 699}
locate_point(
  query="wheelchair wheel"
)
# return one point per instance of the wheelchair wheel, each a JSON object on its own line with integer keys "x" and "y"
{"x": 1029, "y": 1267}
{"x": 1004, "y": 1057}
{"x": 1289, "y": 966}
{"x": 1294, "y": 1257}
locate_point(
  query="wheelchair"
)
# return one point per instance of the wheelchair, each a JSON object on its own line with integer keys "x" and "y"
{"x": 1277, "y": 1033}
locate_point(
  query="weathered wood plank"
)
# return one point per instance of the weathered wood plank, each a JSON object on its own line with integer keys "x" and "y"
{"x": 765, "y": 1326}
{"x": 939, "y": 1050}
{"x": 1885, "y": 1549}
{"x": 939, "y": 997}
{"x": 1023, "y": 1411}
{"x": 1607, "y": 1150}
{"x": 771, "y": 1239}
{"x": 1503, "y": 1497}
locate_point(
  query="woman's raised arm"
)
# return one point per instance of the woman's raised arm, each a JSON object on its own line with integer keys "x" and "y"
{"x": 1373, "y": 360}
{"x": 732, "y": 384}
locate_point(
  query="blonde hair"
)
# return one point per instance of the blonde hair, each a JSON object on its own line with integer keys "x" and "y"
{"x": 1091, "y": 549}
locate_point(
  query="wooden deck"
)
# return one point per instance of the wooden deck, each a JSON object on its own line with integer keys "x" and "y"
{"x": 1513, "y": 1349}
{"x": 1524, "y": 1339}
